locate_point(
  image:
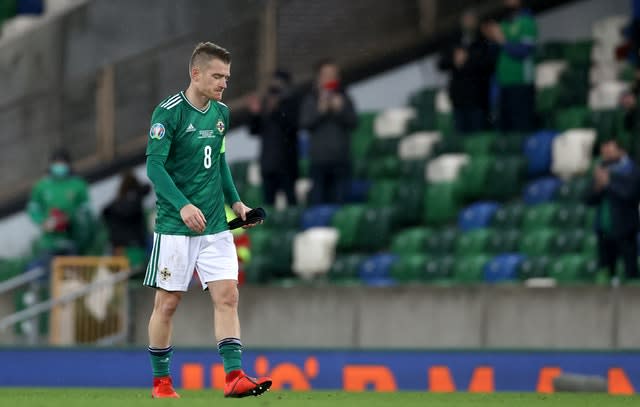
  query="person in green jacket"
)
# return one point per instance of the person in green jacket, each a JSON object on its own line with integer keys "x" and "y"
{"x": 515, "y": 72}
{"x": 59, "y": 205}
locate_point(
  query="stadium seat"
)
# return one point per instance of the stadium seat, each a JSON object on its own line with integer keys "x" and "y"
{"x": 511, "y": 143}
{"x": 442, "y": 241}
{"x": 348, "y": 221}
{"x": 376, "y": 270}
{"x": 424, "y": 102}
{"x": 571, "y": 152}
{"x": 359, "y": 190}
{"x": 383, "y": 193}
{"x": 409, "y": 267}
{"x": 579, "y": 52}
{"x": 606, "y": 95}
{"x": 473, "y": 242}
{"x": 505, "y": 177}
{"x": 252, "y": 195}
{"x": 537, "y": 242}
{"x": 413, "y": 169}
{"x": 411, "y": 241}
{"x": 589, "y": 244}
{"x": 572, "y": 118}
{"x": 443, "y": 102}
{"x": 409, "y": 202}
{"x": 503, "y": 241}
{"x": 548, "y": 73}
{"x": 441, "y": 203}
{"x": 376, "y": 229}
{"x": 609, "y": 123}
{"x": 346, "y": 267}
{"x": 445, "y": 124}
{"x": 473, "y": 177}
{"x": 534, "y": 267}
{"x": 478, "y": 215}
{"x": 446, "y": 167}
{"x": 470, "y": 268}
{"x": 572, "y": 268}
{"x": 383, "y": 147}
{"x": 547, "y": 101}
{"x": 567, "y": 241}
{"x": 571, "y": 216}
{"x": 503, "y": 268}
{"x": 418, "y": 146}
{"x": 288, "y": 218}
{"x": 540, "y": 216}
{"x": 362, "y": 137}
{"x": 240, "y": 170}
{"x": 509, "y": 216}
{"x": 606, "y": 72}
{"x": 551, "y": 50}
{"x": 480, "y": 143}
{"x": 574, "y": 190}
{"x": 314, "y": 251}
{"x": 438, "y": 269}
{"x": 260, "y": 269}
{"x": 541, "y": 190}
{"x": 537, "y": 149}
{"x": 393, "y": 122}
{"x": 319, "y": 215}
{"x": 383, "y": 167}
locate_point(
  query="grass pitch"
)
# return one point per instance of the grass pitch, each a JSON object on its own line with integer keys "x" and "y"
{"x": 32, "y": 397}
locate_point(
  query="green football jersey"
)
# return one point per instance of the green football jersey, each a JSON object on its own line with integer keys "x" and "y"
{"x": 191, "y": 141}
{"x": 517, "y": 71}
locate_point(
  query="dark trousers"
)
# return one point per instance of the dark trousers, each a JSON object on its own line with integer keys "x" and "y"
{"x": 272, "y": 182}
{"x": 611, "y": 249}
{"x": 517, "y": 105}
{"x": 330, "y": 183}
{"x": 469, "y": 119}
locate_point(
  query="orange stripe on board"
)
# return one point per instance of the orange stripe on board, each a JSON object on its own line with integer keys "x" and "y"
{"x": 440, "y": 380}
{"x": 362, "y": 377}
{"x": 192, "y": 376}
{"x": 482, "y": 380}
{"x": 619, "y": 382}
{"x": 545, "y": 379}
{"x": 218, "y": 376}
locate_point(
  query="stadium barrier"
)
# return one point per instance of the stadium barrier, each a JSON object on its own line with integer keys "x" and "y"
{"x": 435, "y": 371}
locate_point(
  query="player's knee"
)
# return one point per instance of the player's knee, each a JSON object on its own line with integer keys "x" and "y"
{"x": 167, "y": 306}
{"x": 227, "y": 298}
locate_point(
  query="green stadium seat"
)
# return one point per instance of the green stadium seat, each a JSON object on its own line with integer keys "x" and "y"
{"x": 574, "y": 190}
{"x": 346, "y": 267}
{"x": 574, "y": 86}
{"x": 424, "y": 101}
{"x": 411, "y": 241}
{"x": 473, "y": 242}
{"x": 383, "y": 147}
{"x": 572, "y": 268}
{"x": 348, "y": 221}
{"x": 409, "y": 267}
{"x": 509, "y": 216}
{"x": 480, "y": 143}
{"x": 413, "y": 169}
{"x": 409, "y": 202}
{"x": 383, "y": 167}
{"x": 469, "y": 269}
{"x": 534, "y": 267}
{"x": 553, "y": 50}
{"x": 474, "y": 177}
{"x": 579, "y": 52}
{"x": 509, "y": 144}
{"x": 288, "y": 218}
{"x": 590, "y": 244}
{"x": 438, "y": 269}
{"x": 383, "y": 192}
{"x": 503, "y": 241}
{"x": 376, "y": 229}
{"x": 540, "y": 216}
{"x": 568, "y": 241}
{"x": 442, "y": 241}
{"x": 240, "y": 170}
{"x": 441, "y": 203}
{"x": 260, "y": 269}
{"x": 572, "y": 118}
{"x": 537, "y": 242}
{"x": 445, "y": 124}
{"x": 571, "y": 216}
{"x": 506, "y": 176}
{"x": 547, "y": 101}
{"x": 363, "y": 135}
{"x": 252, "y": 195}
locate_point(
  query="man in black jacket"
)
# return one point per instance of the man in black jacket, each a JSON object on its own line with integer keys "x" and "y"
{"x": 616, "y": 195}
{"x": 275, "y": 120}
{"x": 470, "y": 60}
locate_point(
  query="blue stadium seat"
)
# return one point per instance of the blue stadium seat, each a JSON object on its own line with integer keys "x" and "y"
{"x": 537, "y": 149}
{"x": 359, "y": 190}
{"x": 541, "y": 190}
{"x": 319, "y": 215}
{"x": 376, "y": 270}
{"x": 478, "y": 215}
{"x": 503, "y": 268}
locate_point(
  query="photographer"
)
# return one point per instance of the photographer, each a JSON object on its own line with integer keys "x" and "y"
{"x": 616, "y": 195}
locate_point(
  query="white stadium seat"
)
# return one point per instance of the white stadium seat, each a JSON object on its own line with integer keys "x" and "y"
{"x": 609, "y": 29}
{"x": 418, "y": 145}
{"x": 314, "y": 251}
{"x": 254, "y": 177}
{"x": 446, "y": 167}
{"x": 443, "y": 102}
{"x": 303, "y": 187}
{"x": 571, "y": 152}
{"x": 548, "y": 73}
{"x": 604, "y": 72}
{"x": 606, "y": 95}
{"x": 392, "y": 123}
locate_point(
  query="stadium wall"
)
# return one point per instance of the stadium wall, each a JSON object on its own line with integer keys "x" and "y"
{"x": 482, "y": 372}
{"x": 414, "y": 317}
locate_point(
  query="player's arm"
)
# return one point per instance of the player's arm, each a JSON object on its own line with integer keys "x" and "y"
{"x": 524, "y": 46}
{"x": 35, "y": 207}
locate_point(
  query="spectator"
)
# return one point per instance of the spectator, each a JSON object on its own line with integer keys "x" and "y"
{"x": 59, "y": 205}
{"x": 616, "y": 194}
{"x": 124, "y": 216}
{"x": 631, "y": 125}
{"x": 329, "y": 115}
{"x": 470, "y": 61}
{"x": 515, "y": 72}
{"x": 275, "y": 121}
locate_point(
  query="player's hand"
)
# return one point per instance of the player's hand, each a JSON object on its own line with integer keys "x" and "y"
{"x": 193, "y": 218}
{"x": 241, "y": 210}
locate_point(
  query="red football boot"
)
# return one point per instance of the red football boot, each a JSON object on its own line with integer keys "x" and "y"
{"x": 163, "y": 388}
{"x": 238, "y": 384}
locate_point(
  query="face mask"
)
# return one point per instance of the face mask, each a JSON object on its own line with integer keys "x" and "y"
{"x": 59, "y": 170}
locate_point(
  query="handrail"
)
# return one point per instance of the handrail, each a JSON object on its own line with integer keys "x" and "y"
{"x": 22, "y": 279}
{"x": 45, "y": 306}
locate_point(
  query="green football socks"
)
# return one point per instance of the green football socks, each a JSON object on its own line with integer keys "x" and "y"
{"x": 231, "y": 351}
{"x": 160, "y": 360}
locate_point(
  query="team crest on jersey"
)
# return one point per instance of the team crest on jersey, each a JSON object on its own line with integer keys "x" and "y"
{"x": 157, "y": 131}
{"x": 220, "y": 126}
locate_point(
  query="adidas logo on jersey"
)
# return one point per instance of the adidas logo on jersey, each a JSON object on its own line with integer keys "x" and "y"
{"x": 190, "y": 128}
